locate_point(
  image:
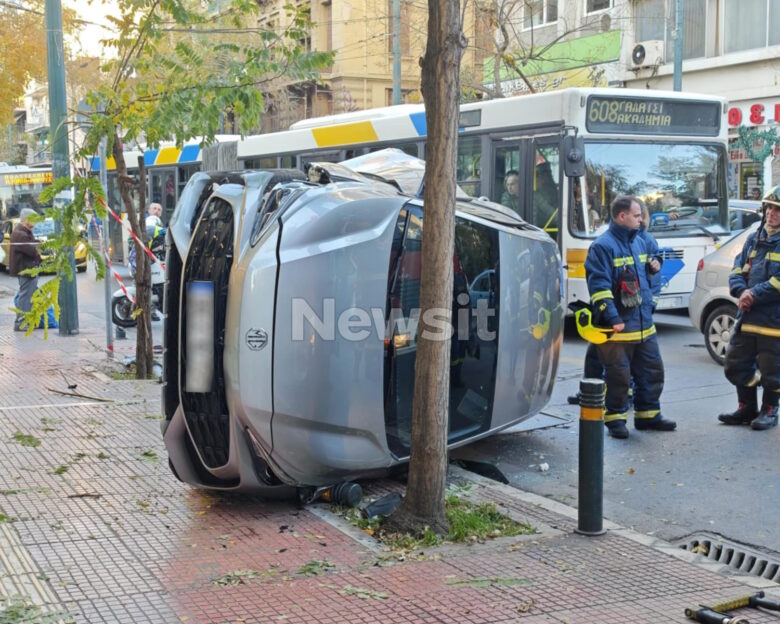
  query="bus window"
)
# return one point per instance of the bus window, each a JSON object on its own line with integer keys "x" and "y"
{"x": 333, "y": 157}
{"x": 185, "y": 173}
{"x": 267, "y": 162}
{"x": 287, "y": 162}
{"x": 470, "y": 165}
{"x": 546, "y": 183}
{"x": 507, "y": 179}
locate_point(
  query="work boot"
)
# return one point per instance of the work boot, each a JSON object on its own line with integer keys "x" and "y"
{"x": 617, "y": 429}
{"x": 656, "y": 423}
{"x": 767, "y": 418}
{"x": 746, "y": 412}
{"x": 574, "y": 399}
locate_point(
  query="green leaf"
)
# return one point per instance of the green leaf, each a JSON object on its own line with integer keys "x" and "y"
{"x": 364, "y": 593}
{"x": 490, "y": 581}
{"x": 316, "y": 567}
{"x": 26, "y": 440}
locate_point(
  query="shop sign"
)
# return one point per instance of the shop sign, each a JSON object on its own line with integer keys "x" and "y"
{"x": 756, "y": 113}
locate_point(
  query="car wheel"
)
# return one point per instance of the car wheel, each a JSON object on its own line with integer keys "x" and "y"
{"x": 717, "y": 331}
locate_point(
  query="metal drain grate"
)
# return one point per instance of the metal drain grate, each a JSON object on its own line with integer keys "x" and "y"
{"x": 736, "y": 556}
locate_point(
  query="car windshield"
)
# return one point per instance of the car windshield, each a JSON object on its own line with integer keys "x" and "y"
{"x": 43, "y": 228}
{"x": 680, "y": 184}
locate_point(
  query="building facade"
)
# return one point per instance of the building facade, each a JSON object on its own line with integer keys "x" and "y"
{"x": 360, "y": 33}
{"x": 556, "y": 44}
{"x": 731, "y": 49}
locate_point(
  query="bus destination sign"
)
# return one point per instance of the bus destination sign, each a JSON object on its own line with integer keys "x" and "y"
{"x": 623, "y": 115}
{"x": 28, "y": 178}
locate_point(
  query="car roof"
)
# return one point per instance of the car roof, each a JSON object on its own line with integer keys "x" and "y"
{"x": 745, "y": 204}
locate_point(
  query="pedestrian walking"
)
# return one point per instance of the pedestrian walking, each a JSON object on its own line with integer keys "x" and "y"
{"x": 753, "y": 354}
{"x": 622, "y": 298}
{"x": 24, "y": 255}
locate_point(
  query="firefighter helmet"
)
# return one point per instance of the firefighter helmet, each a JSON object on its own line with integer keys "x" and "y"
{"x": 772, "y": 197}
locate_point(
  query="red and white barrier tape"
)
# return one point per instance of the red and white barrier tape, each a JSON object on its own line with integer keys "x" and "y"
{"x": 148, "y": 251}
{"x": 107, "y": 256}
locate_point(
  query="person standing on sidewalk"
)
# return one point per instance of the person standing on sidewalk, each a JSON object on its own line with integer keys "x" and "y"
{"x": 621, "y": 297}
{"x": 24, "y": 255}
{"x": 753, "y": 354}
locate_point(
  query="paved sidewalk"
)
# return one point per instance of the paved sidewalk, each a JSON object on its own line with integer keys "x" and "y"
{"x": 97, "y": 526}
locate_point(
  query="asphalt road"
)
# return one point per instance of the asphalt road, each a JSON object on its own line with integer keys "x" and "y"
{"x": 703, "y": 477}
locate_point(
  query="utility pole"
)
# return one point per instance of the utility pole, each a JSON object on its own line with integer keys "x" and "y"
{"x": 108, "y": 279}
{"x": 396, "y": 52}
{"x": 55, "y": 55}
{"x": 678, "y": 46}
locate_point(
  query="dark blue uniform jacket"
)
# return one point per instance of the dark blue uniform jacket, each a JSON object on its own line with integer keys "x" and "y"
{"x": 758, "y": 268}
{"x": 619, "y": 248}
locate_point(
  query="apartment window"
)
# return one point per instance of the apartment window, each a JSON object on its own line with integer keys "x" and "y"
{"x": 655, "y": 20}
{"x": 591, "y": 6}
{"x": 751, "y": 24}
{"x": 539, "y": 12}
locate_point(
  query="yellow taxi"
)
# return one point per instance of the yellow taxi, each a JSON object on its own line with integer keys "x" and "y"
{"x": 41, "y": 230}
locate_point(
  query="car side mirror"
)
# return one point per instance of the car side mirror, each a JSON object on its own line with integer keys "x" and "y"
{"x": 573, "y": 156}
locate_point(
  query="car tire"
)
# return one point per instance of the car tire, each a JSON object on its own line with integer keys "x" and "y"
{"x": 717, "y": 330}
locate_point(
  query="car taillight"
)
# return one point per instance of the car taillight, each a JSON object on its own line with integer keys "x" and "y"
{"x": 700, "y": 265}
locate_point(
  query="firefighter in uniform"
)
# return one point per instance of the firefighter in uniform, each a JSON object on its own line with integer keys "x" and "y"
{"x": 622, "y": 298}
{"x": 753, "y": 355}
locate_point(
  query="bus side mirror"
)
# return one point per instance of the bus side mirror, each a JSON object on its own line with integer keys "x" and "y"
{"x": 573, "y": 156}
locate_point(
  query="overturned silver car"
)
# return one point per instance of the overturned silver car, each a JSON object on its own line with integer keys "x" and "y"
{"x": 291, "y": 308}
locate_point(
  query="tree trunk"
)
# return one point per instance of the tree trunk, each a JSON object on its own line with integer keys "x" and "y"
{"x": 424, "y": 501}
{"x": 143, "y": 345}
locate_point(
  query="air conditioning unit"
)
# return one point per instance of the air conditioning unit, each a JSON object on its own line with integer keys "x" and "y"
{"x": 647, "y": 54}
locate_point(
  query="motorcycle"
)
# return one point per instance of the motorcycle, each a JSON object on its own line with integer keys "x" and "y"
{"x": 122, "y": 304}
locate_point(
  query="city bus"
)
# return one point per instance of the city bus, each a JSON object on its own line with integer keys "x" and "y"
{"x": 21, "y": 187}
{"x": 667, "y": 148}
{"x": 168, "y": 168}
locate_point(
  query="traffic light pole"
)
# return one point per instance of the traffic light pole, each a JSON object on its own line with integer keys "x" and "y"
{"x": 58, "y": 130}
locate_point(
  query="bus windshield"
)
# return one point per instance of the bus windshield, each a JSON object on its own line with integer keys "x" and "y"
{"x": 680, "y": 185}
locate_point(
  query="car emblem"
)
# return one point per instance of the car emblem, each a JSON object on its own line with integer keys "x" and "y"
{"x": 256, "y": 339}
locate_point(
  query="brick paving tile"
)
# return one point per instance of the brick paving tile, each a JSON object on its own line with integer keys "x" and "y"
{"x": 116, "y": 538}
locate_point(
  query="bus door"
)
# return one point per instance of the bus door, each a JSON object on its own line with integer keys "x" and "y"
{"x": 526, "y": 177}
{"x": 162, "y": 190}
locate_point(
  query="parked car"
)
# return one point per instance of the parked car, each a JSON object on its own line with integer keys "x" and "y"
{"x": 41, "y": 230}
{"x": 743, "y": 213}
{"x": 712, "y": 309}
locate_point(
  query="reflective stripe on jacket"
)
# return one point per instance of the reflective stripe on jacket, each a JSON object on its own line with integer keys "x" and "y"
{"x": 758, "y": 268}
{"x": 610, "y": 254}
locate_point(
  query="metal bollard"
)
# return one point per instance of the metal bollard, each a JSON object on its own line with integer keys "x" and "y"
{"x": 591, "y": 468}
